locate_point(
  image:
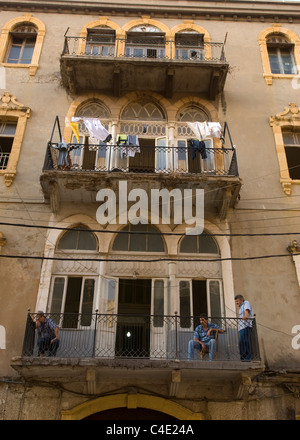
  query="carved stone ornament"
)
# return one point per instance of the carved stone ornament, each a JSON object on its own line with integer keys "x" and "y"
{"x": 291, "y": 111}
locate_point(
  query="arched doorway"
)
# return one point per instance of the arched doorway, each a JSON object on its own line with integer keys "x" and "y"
{"x": 130, "y": 414}
{"x": 144, "y": 404}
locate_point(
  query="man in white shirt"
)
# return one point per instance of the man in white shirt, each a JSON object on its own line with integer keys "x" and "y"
{"x": 245, "y": 327}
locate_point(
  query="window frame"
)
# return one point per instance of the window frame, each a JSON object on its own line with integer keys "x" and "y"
{"x": 291, "y": 37}
{"x": 14, "y": 111}
{"x": 5, "y": 41}
{"x": 288, "y": 120}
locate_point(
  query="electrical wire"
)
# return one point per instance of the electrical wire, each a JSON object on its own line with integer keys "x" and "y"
{"x": 181, "y": 234}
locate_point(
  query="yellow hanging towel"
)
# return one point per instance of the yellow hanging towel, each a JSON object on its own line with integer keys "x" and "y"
{"x": 75, "y": 129}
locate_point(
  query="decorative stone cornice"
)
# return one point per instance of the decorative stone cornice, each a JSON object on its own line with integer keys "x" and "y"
{"x": 290, "y": 112}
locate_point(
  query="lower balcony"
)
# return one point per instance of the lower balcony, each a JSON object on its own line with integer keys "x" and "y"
{"x": 134, "y": 336}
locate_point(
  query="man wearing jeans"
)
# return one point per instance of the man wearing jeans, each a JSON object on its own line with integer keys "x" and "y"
{"x": 245, "y": 327}
{"x": 48, "y": 335}
{"x": 204, "y": 338}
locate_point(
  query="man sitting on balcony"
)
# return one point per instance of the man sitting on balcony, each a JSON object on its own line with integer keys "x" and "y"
{"x": 204, "y": 338}
{"x": 48, "y": 336}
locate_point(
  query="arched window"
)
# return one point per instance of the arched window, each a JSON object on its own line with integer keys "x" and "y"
{"x": 189, "y": 44}
{"x": 188, "y": 159}
{"x": 21, "y": 44}
{"x": 144, "y": 110}
{"x": 193, "y": 113}
{"x": 145, "y": 41}
{"x": 281, "y": 54}
{"x": 81, "y": 238}
{"x": 100, "y": 41}
{"x": 138, "y": 238}
{"x": 89, "y": 155}
{"x": 199, "y": 244}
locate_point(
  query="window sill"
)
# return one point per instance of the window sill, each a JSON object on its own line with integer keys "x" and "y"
{"x": 269, "y": 77}
{"x": 287, "y": 185}
{"x": 32, "y": 67}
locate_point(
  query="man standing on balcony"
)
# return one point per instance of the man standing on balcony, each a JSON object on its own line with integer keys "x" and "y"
{"x": 204, "y": 338}
{"x": 48, "y": 335}
{"x": 245, "y": 327}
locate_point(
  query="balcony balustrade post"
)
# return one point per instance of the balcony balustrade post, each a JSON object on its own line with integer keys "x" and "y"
{"x": 95, "y": 333}
{"x": 176, "y": 336}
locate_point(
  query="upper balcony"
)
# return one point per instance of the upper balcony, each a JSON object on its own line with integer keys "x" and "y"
{"x": 104, "y": 62}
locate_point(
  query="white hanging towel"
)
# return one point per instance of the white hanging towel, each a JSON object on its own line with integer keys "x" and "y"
{"x": 203, "y": 130}
{"x": 96, "y": 129}
{"x": 215, "y": 129}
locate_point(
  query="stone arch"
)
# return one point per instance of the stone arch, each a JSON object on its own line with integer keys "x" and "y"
{"x": 137, "y": 95}
{"x": 130, "y": 401}
{"x": 102, "y": 21}
{"x": 225, "y": 258}
{"x": 53, "y": 236}
{"x": 81, "y": 101}
{"x": 189, "y": 24}
{"x": 207, "y": 106}
{"x": 4, "y": 40}
{"x": 147, "y": 20}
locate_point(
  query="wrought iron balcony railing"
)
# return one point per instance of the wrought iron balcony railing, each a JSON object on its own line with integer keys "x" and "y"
{"x": 111, "y": 336}
{"x": 158, "y": 159}
{"x": 143, "y": 48}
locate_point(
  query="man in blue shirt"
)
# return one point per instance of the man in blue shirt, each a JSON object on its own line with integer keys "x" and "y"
{"x": 48, "y": 335}
{"x": 204, "y": 338}
{"x": 245, "y": 327}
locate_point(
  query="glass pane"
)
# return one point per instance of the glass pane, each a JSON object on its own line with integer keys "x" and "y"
{"x": 215, "y": 300}
{"x": 57, "y": 297}
{"x": 28, "y": 52}
{"x": 189, "y": 244}
{"x": 87, "y": 302}
{"x": 287, "y": 61}
{"x": 288, "y": 138}
{"x": 158, "y": 303}
{"x": 10, "y": 129}
{"x": 121, "y": 242}
{"x": 72, "y": 302}
{"x": 184, "y": 304}
{"x": 86, "y": 241}
{"x": 155, "y": 243}
{"x": 207, "y": 245}
{"x": 293, "y": 160}
{"x": 274, "y": 61}
{"x": 68, "y": 240}
{"x": 138, "y": 241}
{"x": 161, "y": 161}
{"x": 79, "y": 240}
{"x": 181, "y": 150}
{"x": 14, "y": 54}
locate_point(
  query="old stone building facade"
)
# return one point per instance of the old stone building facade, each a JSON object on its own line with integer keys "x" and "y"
{"x": 122, "y": 127}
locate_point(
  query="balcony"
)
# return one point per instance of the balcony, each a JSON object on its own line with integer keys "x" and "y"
{"x": 134, "y": 336}
{"x": 151, "y": 63}
{"x": 105, "y": 348}
{"x": 76, "y": 172}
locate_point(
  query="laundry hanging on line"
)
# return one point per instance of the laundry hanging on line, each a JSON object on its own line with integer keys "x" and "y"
{"x": 95, "y": 128}
{"x": 195, "y": 146}
{"x": 204, "y": 130}
{"x": 129, "y": 145}
{"x": 62, "y": 148}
